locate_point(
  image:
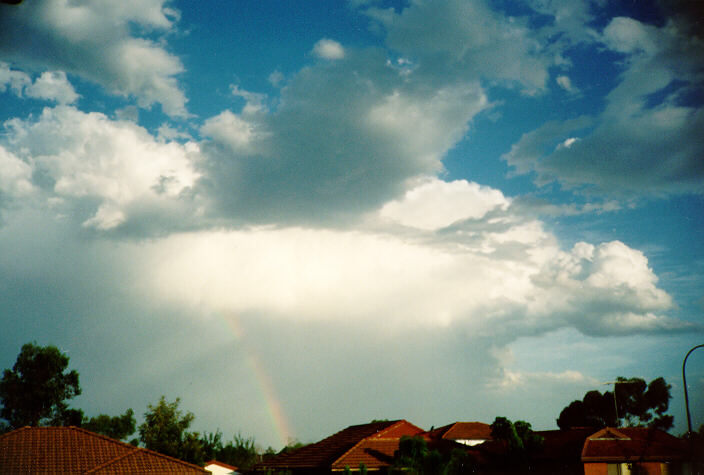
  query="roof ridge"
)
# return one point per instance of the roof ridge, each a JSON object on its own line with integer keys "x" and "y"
{"x": 348, "y": 451}
{"x": 390, "y": 426}
{"x": 148, "y": 451}
{"x": 373, "y": 437}
{"x": 113, "y": 460}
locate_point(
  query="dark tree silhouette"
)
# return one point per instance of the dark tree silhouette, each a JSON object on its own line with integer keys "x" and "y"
{"x": 34, "y": 392}
{"x": 635, "y": 403}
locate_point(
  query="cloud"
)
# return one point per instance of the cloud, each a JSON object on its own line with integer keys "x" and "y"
{"x": 328, "y": 49}
{"x": 14, "y": 79}
{"x": 565, "y": 83}
{"x": 512, "y": 380}
{"x": 494, "y": 274}
{"x": 53, "y": 86}
{"x": 435, "y": 204}
{"x": 466, "y": 40}
{"x": 344, "y": 138}
{"x": 95, "y": 40}
{"x": 102, "y": 170}
{"x": 647, "y": 140}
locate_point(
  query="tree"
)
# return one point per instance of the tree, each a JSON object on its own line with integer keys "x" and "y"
{"x": 635, "y": 403}
{"x": 165, "y": 430}
{"x": 35, "y": 391}
{"x": 521, "y": 442}
{"x": 413, "y": 456}
{"x": 240, "y": 451}
{"x": 117, "y": 427}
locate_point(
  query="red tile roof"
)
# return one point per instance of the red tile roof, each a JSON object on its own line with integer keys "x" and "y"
{"x": 632, "y": 444}
{"x": 462, "y": 431}
{"x": 373, "y": 452}
{"x": 72, "y": 450}
{"x": 564, "y": 444}
{"x": 328, "y": 452}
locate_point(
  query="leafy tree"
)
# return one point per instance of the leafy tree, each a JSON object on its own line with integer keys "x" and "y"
{"x": 240, "y": 451}
{"x": 521, "y": 441}
{"x": 413, "y": 456}
{"x": 460, "y": 463}
{"x": 165, "y": 430}
{"x": 117, "y": 427}
{"x": 636, "y": 403}
{"x": 35, "y": 391}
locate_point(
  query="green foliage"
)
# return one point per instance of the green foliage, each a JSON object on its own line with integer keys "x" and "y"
{"x": 165, "y": 430}
{"x": 240, "y": 452}
{"x": 637, "y": 403}
{"x": 460, "y": 463}
{"x": 521, "y": 441}
{"x": 117, "y": 427}
{"x": 414, "y": 457}
{"x": 35, "y": 390}
{"x": 293, "y": 444}
{"x": 362, "y": 469}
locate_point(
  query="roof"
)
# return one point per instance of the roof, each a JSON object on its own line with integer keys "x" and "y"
{"x": 633, "y": 444}
{"x": 72, "y": 450}
{"x": 373, "y": 453}
{"x": 462, "y": 431}
{"x": 346, "y": 445}
{"x": 563, "y": 444}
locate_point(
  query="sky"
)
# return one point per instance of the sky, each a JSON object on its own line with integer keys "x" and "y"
{"x": 299, "y": 216}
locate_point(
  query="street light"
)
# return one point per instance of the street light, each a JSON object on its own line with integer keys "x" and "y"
{"x": 626, "y": 381}
{"x": 686, "y": 396}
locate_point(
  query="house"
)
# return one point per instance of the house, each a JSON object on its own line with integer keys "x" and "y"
{"x": 372, "y": 444}
{"x": 634, "y": 450}
{"x": 561, "y": 451}
{"x": 466, "y": 433}
{"x": 72, "y": 450}
{"x": 220, "y": 468}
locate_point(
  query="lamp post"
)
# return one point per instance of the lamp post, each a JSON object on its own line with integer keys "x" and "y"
{"x": 624, "y": 381}
{"x": 686, "y": 396}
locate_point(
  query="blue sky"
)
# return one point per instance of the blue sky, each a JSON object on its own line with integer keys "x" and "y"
{"x": 303, "y": 216}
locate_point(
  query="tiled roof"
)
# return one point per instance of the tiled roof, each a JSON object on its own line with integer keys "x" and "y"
{"x": 372, "y": 452}
{"x": 325, "y": 454}
{"x": 72, "y": 450}
{"x": 462, "y": 431}
{"x": 563, "y": 444}
{"x": 632, "y": 444}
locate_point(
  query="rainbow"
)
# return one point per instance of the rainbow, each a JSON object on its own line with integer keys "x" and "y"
{"x": 278, "y": 418}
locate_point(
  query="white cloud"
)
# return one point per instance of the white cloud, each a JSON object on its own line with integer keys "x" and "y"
{"x": 652, "y": 148}
{"x": 230, "y": 129}
{"x": 434, "y": 203}
{"x": 499, "y": 277}
{"x": 15, "y": 80}
{"x": 565, "y": 83}
{"x": 512, "y": 379}
{"x": 53, "y": 86}
{"x": 328, "y": 49}
{"x": 15, "y": 175}
{"x": 116, "y": 163}
{"x": 95, "y": 40}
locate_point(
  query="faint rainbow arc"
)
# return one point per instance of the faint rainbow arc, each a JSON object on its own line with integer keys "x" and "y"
{"x": 274, "y": 408}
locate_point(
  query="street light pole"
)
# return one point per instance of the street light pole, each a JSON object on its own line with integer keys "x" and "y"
{"x": 624, "y": 381}
{"x": 686, "y": 396}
